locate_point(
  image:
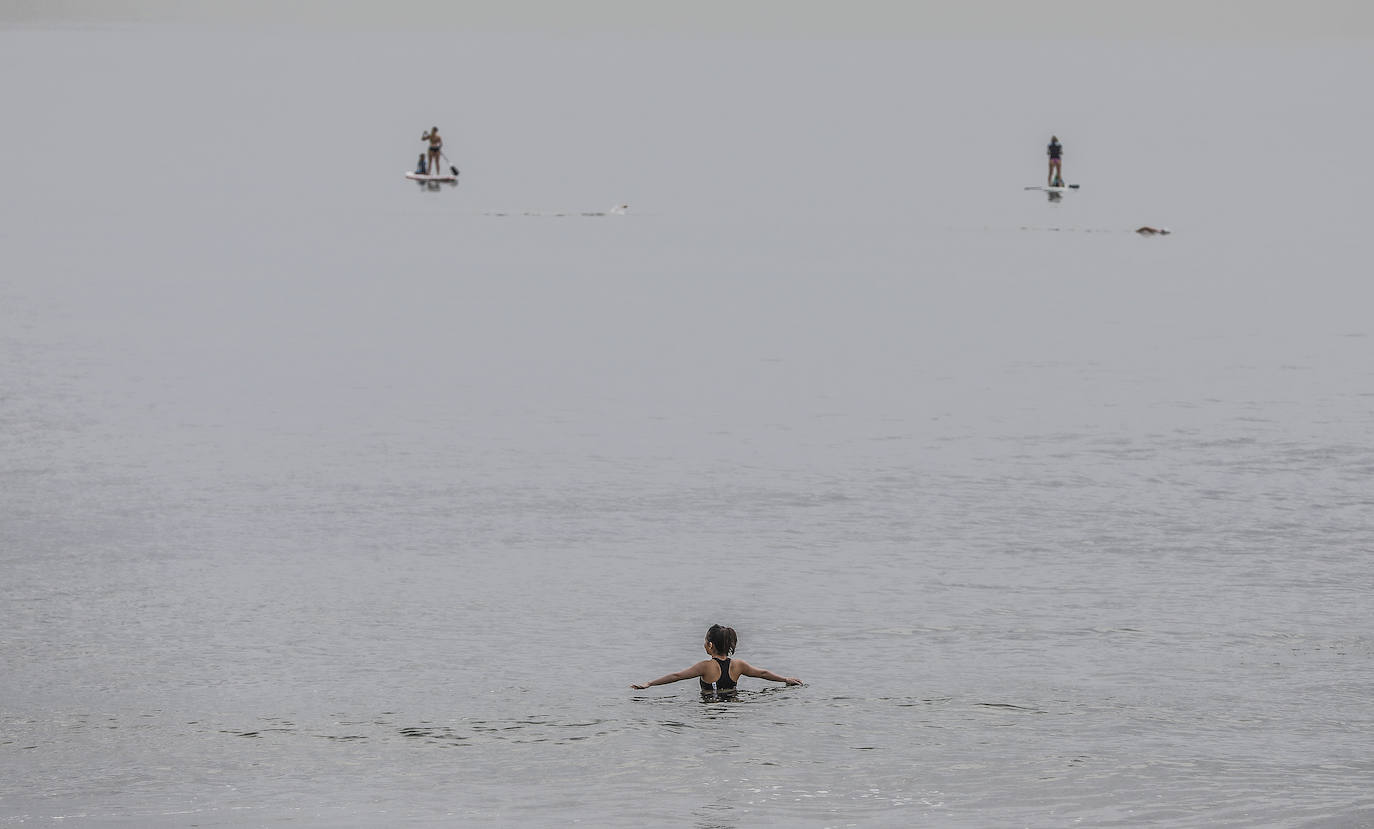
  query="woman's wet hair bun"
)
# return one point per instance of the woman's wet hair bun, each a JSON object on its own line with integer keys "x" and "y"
{"x": 722, "y": 639}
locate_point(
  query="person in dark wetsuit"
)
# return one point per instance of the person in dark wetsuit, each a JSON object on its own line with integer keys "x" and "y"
{"x": 720, "y": 672}
{"x": 1055, "y": 150}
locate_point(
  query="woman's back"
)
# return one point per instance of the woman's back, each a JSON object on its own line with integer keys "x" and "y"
{"x": 727, "y": 676}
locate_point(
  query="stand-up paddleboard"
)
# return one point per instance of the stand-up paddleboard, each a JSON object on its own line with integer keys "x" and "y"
{"x": 425, "y": 178}
{"x": 1063, "y": 189}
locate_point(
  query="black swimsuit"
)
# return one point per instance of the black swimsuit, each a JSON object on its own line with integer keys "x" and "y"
{"x": 725, "y": 683}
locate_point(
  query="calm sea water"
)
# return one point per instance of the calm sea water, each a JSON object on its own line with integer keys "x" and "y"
{"x": 328, "y": 500}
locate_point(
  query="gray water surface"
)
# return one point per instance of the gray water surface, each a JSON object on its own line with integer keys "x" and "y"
{"x": 328, "y": 500}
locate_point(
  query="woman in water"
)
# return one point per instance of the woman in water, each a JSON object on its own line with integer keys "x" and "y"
{"x": 720, "y": 672}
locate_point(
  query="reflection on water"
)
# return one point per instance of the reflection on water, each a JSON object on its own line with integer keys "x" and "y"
{"x": 436, "y": 186}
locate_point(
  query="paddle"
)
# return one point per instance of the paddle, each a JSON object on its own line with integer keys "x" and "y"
{"x": 455, "y": 169}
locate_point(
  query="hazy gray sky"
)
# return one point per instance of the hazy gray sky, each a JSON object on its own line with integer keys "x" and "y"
{"x": 1222, "y": 19}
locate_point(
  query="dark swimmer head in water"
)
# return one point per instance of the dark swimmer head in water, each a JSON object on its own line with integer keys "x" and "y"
{"x": 719, "y": 672}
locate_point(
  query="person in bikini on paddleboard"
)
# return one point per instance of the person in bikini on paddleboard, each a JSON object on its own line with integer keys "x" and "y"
{"x": 719, "y": 673}
{"x": 436, "y": 147}
{"x": 1055, "y": 150}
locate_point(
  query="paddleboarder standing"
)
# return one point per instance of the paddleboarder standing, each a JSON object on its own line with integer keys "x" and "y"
{"x": 1055, "y": 150}
{"x": 436, "y": 148}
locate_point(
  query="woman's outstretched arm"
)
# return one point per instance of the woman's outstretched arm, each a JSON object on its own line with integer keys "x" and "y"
{"x": 749, "y": 670}
{"x": 686, "y": 673}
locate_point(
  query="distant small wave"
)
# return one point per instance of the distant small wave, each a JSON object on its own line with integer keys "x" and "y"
{"x": 618, "y": 210}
